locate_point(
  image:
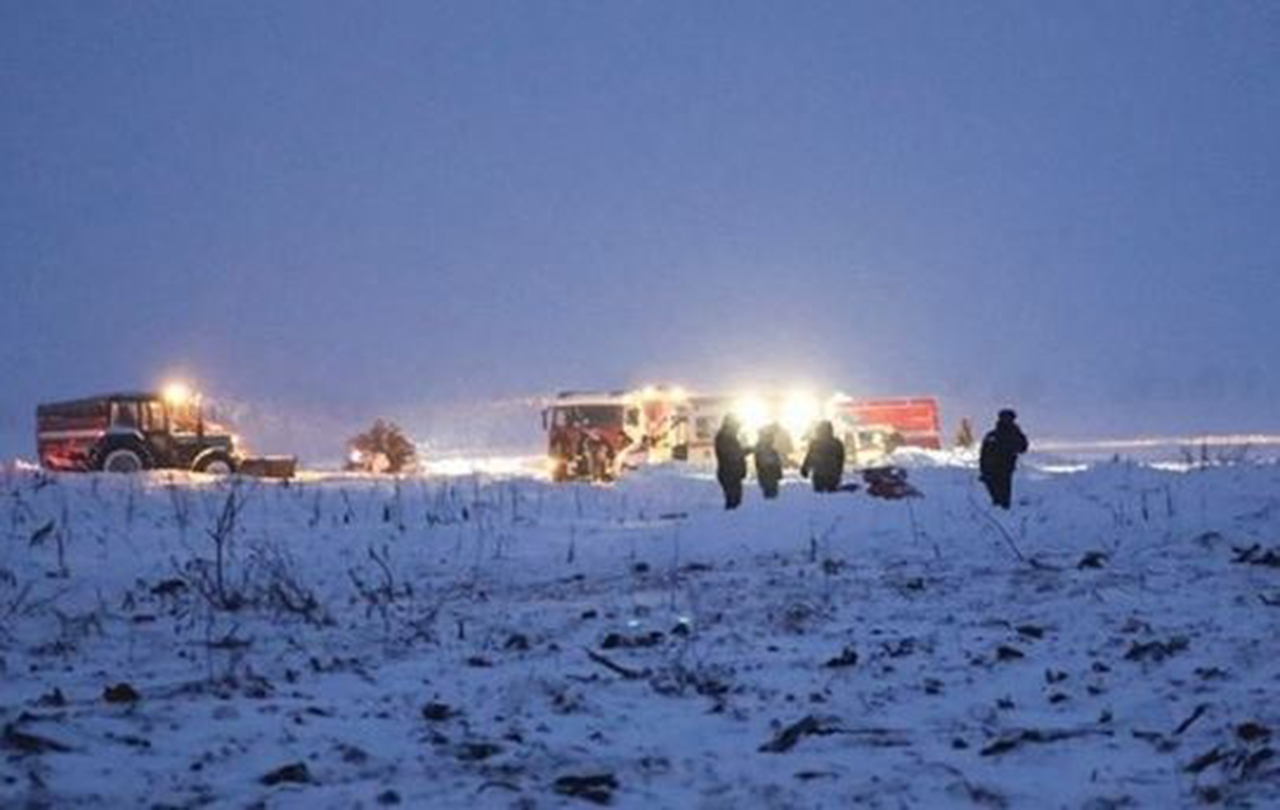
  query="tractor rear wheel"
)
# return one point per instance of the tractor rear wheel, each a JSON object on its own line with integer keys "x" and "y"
{"x": 123, "y": 459}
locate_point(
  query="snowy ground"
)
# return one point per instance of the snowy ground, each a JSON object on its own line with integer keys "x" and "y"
{"x": 504, "y": 642}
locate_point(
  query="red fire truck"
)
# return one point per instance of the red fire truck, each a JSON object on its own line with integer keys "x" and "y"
{"x": 875, "y": 427}
{"x": 594, "y": 436}
{"x": 869, "y": 428}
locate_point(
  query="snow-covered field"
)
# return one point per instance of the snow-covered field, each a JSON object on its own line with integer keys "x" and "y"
{"x": 504, "y": 642}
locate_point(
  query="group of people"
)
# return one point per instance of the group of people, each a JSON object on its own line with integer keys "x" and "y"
{"x": 824, "y": 460}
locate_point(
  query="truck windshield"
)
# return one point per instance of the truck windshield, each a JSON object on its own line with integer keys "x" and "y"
{"x": 589, "y": 416}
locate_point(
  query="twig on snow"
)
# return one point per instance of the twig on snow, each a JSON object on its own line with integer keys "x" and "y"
{"x": 1011, "y": 741}
{"x": 1195, "y": 715}
{"x": 625, "y": 672}
{"x": 1008, "y": 538}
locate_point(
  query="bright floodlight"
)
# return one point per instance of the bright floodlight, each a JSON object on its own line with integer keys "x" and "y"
{"x": 177, "y": 393}
{"x": 752, "y": 412}
{"x": 800, "y": 411}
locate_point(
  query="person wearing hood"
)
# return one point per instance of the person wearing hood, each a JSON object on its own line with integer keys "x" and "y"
{"x": 999, "y": 457}
{"x": 731, "y": 461}
{"x": 824, "y": 459}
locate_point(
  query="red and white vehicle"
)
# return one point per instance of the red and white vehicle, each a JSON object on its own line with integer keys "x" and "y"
{"x": 587, "y": 435}
{"x": 870, "y": 428}
{"x": 706, "y": 413}
{"x": 663, "y": 433}
{"x": 594, "y": 436}
{"x": 873, "y": 428}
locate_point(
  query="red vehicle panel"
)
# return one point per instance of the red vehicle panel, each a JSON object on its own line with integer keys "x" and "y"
{"x": 64, "y": 440}
{"x": 915, "y": 418}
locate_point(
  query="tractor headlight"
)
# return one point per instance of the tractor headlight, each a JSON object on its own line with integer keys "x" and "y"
{"x": 177, "y": 393}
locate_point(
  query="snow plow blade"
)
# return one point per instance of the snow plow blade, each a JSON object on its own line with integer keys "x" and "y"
{"x": 269, "y": 466}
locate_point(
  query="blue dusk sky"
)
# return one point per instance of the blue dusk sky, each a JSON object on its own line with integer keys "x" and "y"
{"x": 339, "y": 209}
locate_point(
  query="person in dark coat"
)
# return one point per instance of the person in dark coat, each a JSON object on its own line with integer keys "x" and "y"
{"x": 768, "y": 461}
{"x": 1000, "y": 450}
{"x": 731, "y": 461}
{"x": 825, "y": 459}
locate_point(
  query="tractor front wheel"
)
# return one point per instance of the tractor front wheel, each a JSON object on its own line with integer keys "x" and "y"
{"x": 215, "y": 464}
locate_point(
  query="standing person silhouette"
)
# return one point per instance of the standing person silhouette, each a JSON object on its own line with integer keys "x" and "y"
{"x": 825, "y": 459}
{"x": 768, "y": 461}
{"x": 999, "y": 457}
{"x": 731, "y": 461}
